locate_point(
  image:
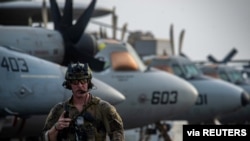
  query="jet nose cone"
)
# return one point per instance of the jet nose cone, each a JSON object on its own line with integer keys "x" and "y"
{"x": 107, "y": 92}
{"x": 187, "y": 93}
{"x": 245, "y": 99}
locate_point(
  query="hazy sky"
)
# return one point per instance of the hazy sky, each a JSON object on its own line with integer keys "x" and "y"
{"x": 212, "y": 26}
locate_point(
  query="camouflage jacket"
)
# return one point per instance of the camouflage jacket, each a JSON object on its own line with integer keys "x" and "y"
{"x": 100, "y": 119}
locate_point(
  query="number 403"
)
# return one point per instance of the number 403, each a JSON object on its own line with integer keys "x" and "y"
{"x": 14, "y": 64}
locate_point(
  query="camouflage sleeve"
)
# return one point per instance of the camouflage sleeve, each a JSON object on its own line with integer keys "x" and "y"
{"x": 52, "y": 117}
{"x": 113, "y": 122}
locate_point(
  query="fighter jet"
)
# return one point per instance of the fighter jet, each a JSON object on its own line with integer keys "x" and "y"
{"x": 30, "y": 86}
{"x": 208, "y": 106}
{"x": 231, "y": 74}
{"x": 146, "y": 89}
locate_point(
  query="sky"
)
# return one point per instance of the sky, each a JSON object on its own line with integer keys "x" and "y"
{"x": 211, "y": 26}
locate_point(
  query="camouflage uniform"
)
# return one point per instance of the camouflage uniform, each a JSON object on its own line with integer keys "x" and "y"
{"x": 100, "y": 119}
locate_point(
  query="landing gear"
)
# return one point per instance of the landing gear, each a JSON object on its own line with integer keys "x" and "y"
{"x": 163, "y": 129}
{"x": 146, "y": 133}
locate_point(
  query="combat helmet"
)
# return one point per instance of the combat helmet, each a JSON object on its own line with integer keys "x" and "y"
{"x": 78, "y": 71}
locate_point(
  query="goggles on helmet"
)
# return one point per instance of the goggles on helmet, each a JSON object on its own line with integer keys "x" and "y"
{"x": 78, "y": 71}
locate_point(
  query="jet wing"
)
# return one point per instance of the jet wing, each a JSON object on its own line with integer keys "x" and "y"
{"x": 21, "y": 12}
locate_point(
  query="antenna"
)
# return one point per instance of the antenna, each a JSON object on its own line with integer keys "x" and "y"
{"x": 114, "y": 23}
{"x": 181, "y": 41}
{"x": 44, "y": 13}
{"x": 172, "y": 38}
